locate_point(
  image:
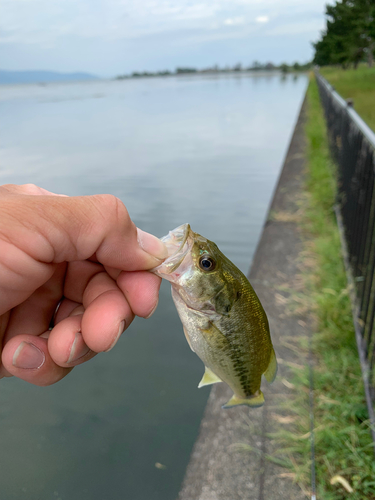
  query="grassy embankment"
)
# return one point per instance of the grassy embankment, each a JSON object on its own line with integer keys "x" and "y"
{"x": 358, "y": 84}
{"x": 345, "y": 465}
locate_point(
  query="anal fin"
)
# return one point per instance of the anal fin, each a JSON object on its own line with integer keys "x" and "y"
{"x": 208, "y": 378}
{"x": 271, "y": 371}
{"x": 254, "y": 402}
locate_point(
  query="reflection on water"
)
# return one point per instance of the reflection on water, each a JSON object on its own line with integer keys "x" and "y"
{"x": 204, "y": 150}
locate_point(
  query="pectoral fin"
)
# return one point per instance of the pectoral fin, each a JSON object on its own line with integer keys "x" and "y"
{"x": 214, "y": 337}
{"x": 208, "y": 378}
{"x": 271, "y": 371}
{"x": 254, "y": 402}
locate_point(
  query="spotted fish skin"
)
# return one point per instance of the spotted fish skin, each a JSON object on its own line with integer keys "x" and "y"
{"x": 223, "y": 319}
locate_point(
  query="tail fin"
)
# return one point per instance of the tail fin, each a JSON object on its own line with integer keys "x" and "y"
{"x": 254, "y": 402}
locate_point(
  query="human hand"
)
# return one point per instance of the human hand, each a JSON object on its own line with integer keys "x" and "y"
{"x": 83, "y": 253}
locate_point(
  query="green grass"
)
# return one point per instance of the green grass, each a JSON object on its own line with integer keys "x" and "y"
{"x": 343, "y": 442}
{"x": 343, "y": 445}
{"x": 358, "y": 84}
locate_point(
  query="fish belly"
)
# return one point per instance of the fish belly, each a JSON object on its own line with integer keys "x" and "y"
{"x": 230, "y": 364}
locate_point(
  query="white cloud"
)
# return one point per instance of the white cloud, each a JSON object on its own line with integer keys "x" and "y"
{"x": 233, "y": 21}
{"x": 190, "y": 29}
{"x": 290, "y": 29}
{"x": 262, "y": 19}
{"x": 31, "y": 21}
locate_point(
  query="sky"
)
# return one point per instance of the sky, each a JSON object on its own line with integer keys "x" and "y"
{"x": 111, "y": 37}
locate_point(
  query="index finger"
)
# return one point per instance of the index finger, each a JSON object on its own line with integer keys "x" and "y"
{"x": 54, "y": 229}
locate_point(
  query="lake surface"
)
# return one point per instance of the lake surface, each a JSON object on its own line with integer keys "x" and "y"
{"x": 200, "y": 149}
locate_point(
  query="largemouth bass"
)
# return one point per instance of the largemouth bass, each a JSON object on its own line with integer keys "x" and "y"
{"x": 223, "y": 320}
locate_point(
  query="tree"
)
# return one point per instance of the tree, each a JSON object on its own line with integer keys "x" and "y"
{"x": 365, "y": 25}
{"x": 284, "y": 68}
{"x": 349, "y": 35}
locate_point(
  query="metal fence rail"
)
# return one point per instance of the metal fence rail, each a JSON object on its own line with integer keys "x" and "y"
{"x": 352, "y": 145}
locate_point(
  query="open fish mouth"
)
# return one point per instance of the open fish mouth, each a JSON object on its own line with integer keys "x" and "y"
{"x": 178, "y": 245}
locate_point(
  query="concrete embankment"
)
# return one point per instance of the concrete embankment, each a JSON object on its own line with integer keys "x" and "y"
{"x": 218, "y": 470}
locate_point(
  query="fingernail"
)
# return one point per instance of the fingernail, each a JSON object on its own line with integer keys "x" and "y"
{"x": 77, "y": 311}
{"x": 152, "y": 245}
{"x": 120, "y": 331}
{"x": 154, "y": 309}
{"x": 28, "y": 356}
{"x": 78, "y": 349}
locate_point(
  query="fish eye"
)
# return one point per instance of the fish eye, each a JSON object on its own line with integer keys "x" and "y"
{"x": 207, "y": 263}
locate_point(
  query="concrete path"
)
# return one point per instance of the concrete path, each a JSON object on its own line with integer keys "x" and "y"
{"x": 217, "y": 469}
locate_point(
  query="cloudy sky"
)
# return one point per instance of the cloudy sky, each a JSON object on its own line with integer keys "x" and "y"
{"x": 108, "y": 37}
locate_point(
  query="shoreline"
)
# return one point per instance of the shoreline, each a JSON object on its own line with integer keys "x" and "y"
{"x": 218, "y": 469}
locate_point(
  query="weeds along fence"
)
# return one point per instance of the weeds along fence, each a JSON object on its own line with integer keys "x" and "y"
{"x": 352, "y": 145}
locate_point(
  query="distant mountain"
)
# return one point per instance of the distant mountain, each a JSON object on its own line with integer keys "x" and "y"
{"x": 9, "y": 77}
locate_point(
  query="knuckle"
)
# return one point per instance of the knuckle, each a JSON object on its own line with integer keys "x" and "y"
{"x": 22, "y": 188}
{"x": 113, "y": 209}
{"x": 10, "y": 188}
{"x": 30, "y": 188}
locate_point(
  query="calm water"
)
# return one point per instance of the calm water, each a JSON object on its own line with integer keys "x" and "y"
{"x": 203, "y": 150}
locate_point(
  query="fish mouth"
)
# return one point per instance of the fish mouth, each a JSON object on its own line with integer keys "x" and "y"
{"x": 178, "y": 246}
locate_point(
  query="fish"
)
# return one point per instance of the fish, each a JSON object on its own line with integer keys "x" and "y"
{"x": 222, "y": 317}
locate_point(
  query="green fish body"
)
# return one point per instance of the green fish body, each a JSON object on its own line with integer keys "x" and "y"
{"x": 223, "y": 319}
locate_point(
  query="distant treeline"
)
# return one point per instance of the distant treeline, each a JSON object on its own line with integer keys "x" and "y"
{"x": 349, "y": 37}
{"x": 256, "y": 66}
